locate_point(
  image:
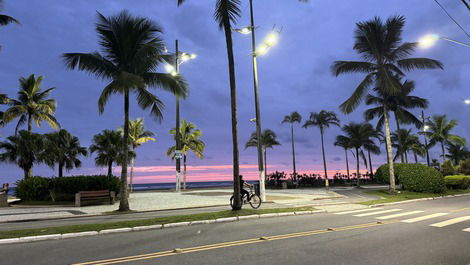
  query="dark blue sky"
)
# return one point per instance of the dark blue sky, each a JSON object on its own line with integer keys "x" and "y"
{"x": 294, "y": 76}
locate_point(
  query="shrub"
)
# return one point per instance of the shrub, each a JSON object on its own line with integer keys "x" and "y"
{"x": 62, "y": 189}
{"x": 457, "y": 182}
{"x": 447, "y": 168}
{"x": 414, "y": 177}
{"x": 464, "y": 167}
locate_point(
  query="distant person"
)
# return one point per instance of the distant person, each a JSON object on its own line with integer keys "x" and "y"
{"x": 4, "y": 188}
{"x": 242, "y": 185}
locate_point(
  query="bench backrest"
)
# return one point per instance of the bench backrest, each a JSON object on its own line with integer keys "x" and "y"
{"x": 95, "y": 193}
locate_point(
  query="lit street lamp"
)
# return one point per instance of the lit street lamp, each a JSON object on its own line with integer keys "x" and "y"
{"x": 180, "y": 57}
{"x": 467, "y": 101}
{"x": 425, "y": 129}
{"x": 431, "y": 39}
{"x": 262, "y": 49}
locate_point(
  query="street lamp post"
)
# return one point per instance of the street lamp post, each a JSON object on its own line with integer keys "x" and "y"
{"x": 257, "y": 108}
{"x": 431, "y": 39}
{"x": 425, "y": 138}
{"x": 180, "y": 57}
{"x": 269, "y": 42}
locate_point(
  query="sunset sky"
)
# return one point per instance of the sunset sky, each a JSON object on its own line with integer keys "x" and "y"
{"x": 294, "y": 76}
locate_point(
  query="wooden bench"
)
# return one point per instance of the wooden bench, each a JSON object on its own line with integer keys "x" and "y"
{"x": 96, "y": 196}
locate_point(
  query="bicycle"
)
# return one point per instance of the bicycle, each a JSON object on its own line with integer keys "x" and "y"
{"x": 253, "y": 199}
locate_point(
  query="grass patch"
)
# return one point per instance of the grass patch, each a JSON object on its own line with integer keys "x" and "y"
{"x": 153, "y": 221}
{"x": 42, "y": 203}
{"x": 407, "y": 195}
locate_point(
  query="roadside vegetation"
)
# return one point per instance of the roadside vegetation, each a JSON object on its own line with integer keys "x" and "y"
{"x": 407, "y": 195}
{"x": 145, "y": 222}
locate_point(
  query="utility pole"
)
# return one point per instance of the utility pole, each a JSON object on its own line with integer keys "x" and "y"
{"x": 178, "y": 135}
{"x": 257, "y": 107}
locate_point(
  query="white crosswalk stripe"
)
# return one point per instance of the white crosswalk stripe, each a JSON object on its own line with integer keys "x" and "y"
{"x": 451, "y": 221}
{"x": 466, "y": 229}
{"x": 360, "y": 211}
{"x": 379, "y": 212}
{"x": 422, "y": 218}
{"x": 397, "y": 215}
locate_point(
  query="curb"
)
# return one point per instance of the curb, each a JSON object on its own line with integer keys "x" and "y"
{"x": 149, "y": 227}
{"x": 418, "y": 200}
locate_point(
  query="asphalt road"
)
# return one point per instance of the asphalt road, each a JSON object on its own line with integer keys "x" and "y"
{"x": 428, "y": 232}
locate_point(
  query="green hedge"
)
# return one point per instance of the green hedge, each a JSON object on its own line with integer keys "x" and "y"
{"x": 464, "y": 167}
{"x": 457, "y": 182}
{"x": 413, "y": 177}
{"x": 62, "y": 189}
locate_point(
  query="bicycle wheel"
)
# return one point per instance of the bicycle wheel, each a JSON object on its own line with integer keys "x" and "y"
{"x": 255, "y": 201}
{"x": 231, "y": 201}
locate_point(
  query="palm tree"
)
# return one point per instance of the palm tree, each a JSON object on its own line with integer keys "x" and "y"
{"x": 24, "y": 149}
{"x": 268, "y": 140}
{"x": 292, "y": 118}
{"x": 137, "y": 136}
{"x": 322, "y": 120}
{"x": 385, "y": 59}
{"x": 344, "y": 143}
{"x": 108, "y": 148}
{"x": 3, "y": 100}
{"x": 226, "y": 14}
{"x": 63, "y": 149}
{"x": 4, "y": 19}
{"x": 457, "y": 153}
{"x": 33, "y": 104}
{"x": 417, "y": 148}
{"x": 358, "y": 136}
{"x": 399, "y": 104}
{"x": 132, "y": 49}
{"x": 373, "y": 148}
{"x": 439, "y": 132}
{"x": 190, "y": 141}
{"x": 403, "y": 140}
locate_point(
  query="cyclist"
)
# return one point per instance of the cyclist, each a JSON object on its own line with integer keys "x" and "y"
{"x": 243, "y": 184}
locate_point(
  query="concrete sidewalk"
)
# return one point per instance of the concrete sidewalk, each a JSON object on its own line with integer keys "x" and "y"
{"x": 165, "y": 200}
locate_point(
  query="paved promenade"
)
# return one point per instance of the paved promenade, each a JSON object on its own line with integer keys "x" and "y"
{"x": 167, "y": 200}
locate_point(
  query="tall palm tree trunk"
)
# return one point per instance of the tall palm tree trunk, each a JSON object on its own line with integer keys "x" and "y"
{"x": 293, "y": 148}
{"x": 388, "y": 140}
{"x": 406, "y": 157}
{"x": 61, "y": 170}
{"x": 28, "y": 172}
{"x": 124, "y": 202}
{"x": 347, "y": 162}
{"x": 443, "y": 152}
{"x": 184, "y": 172}
{"x": 233, "y": 102}
{"x": 131, "y": 184}
{"x": 358, "y": 175}
{"x": 110, "y": 168}
{"x": 370, "y": 166}
{"x": 399, "y": 139}
{"x": 416, "y": 157}
{"x": 30, "y": 124}
{"x": 327, "y": 184}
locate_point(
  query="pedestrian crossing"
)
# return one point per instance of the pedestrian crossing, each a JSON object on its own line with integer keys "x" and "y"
{"x": 381, "y": 213}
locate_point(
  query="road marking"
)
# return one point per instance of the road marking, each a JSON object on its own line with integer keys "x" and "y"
{"x": 460, "y": 210}
{"x": 359, "y": 211}
{"x": 466, "y": 229}
{"x": 379, "y": 212}
{"x": 425, "y": 217}
{"x": 451, "y": 221}
{"x": 398, "y": 215}
{"x": 231, "y": 244}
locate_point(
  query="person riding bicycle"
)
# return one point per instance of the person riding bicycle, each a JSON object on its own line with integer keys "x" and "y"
{"x": 243, "y": 184}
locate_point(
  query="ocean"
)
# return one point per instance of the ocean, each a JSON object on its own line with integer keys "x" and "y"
{"x": 169, "y": 186}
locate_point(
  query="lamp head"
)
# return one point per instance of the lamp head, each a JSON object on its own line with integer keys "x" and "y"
{"x": 428, "y": 41}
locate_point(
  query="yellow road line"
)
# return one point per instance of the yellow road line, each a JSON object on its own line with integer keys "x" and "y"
{"x": 460, "y": 210}
{"x": 231, "y": 244}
